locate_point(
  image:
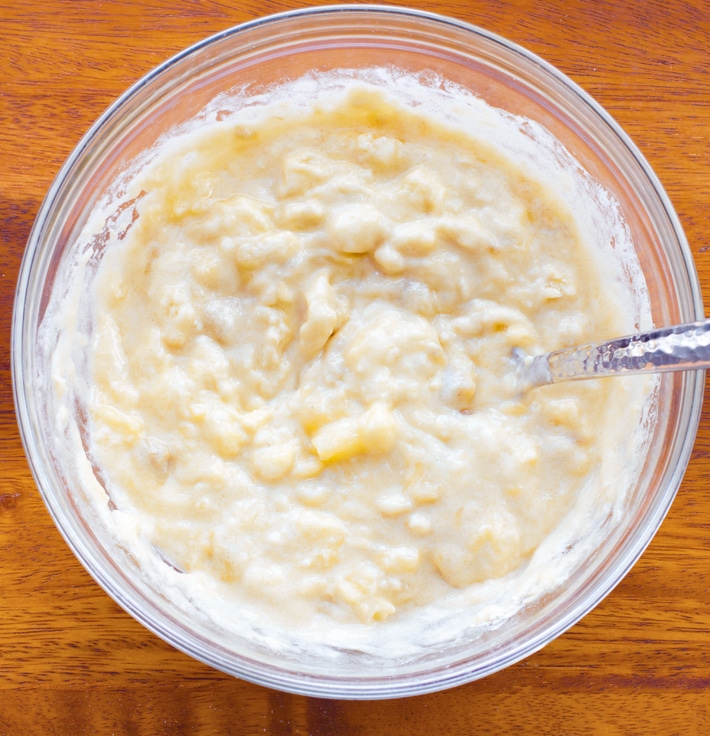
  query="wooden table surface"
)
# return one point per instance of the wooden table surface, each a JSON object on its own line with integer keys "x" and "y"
{"x": 72, "y": 662}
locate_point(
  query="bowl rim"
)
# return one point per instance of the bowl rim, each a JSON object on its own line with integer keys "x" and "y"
{"x": 336, "y": 687}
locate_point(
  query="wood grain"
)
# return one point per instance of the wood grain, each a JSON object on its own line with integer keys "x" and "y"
{"x": 72, "y": 662}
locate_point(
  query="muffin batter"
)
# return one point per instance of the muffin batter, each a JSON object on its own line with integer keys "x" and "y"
{"x": 298, "y": 363}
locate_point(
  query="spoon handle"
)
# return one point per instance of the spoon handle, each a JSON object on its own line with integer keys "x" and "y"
{"x": 677, "y": 348}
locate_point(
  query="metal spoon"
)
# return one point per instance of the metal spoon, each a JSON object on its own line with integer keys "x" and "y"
{"x": 678, "y": 348}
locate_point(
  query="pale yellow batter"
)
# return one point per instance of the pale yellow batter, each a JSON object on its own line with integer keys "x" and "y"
{"x": 297, "y": 364}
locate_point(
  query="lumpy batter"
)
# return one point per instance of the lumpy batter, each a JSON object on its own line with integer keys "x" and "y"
{"x": 298, "y": 358}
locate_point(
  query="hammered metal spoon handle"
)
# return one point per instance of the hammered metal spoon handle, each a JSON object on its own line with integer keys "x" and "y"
{"x": 678, "y": 348}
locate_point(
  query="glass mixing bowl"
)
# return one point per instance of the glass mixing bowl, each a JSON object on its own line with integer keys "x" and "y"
{"x": 264, "y": 52}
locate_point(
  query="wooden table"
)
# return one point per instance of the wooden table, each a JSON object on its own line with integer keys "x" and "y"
{"x": 72, "y": 662}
